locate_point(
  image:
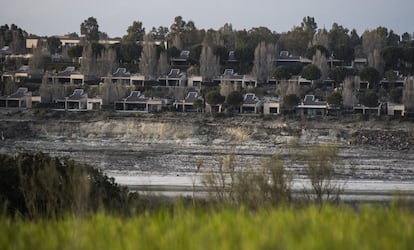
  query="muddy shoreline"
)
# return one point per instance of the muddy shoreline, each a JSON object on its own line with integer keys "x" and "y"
{"x": 138, "y": 145}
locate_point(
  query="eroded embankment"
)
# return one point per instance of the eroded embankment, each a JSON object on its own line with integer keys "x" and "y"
{"x": 169, "y": 144}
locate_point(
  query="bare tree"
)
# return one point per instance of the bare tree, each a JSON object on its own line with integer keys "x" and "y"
{"x": 376, "y": 61}
{"x": 320, "y": 60}
{"x": 321, "y": 163}
{"x": 177, "y": 42}
{"x": 17, "y": 44}
{"x": 373, "y": 40}
{"x": 106, "y": 62}
{"x": 93, "y": 66}
{"x": 50, "y": 92}
{"x": 349, "y": 91}
{"x": 408, "y": 93}
{"x": 372, "y": 43}
{"x": 147, "y": 64}
{"x": 163, "y": 67}
{"x": 38, "y": 59}
{"x": 226, "y": 87}
{"x": 111, "y": 92}
{"x": 88, "y": 63}
{"x": 321, "y": 38}
{"x": 209, "y": 63}
{"x": 65, "y": 54}
{"x": 286, "y": 87}
{"x": 263, "y": 56}
{"x": 227, "y": 36}
{"x": 8, "y": 87}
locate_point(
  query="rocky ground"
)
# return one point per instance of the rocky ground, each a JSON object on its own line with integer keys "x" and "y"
{"x": 397, "y": 140}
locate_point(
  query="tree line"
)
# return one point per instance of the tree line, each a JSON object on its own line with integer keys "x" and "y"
{"x": 384, "y": 48}
{"x": 253, "y": 51}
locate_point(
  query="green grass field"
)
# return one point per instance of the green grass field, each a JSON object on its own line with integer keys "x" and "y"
{"x": 305, "y": 228}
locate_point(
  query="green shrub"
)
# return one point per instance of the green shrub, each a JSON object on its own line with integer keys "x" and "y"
{"x": 42, "y": 186}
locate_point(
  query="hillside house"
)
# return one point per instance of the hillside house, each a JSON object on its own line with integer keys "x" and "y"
{"x": 195, "y": 82}
{"x": 236, "y": 80}
{"x": 286, "y": 59}
{"x": 21, "y": 99}
{"x": 181, "y": 61}
{"x": 395, "y": 110}
{"x": 17, "y": 76}
{"x": 77, "y": 101}
{"x": 175, "y": 78}
{"x": 271, "y": 106}
{"x": 121, "y": 75}
{"x": 136, "y": 102}
{"x": 251, "y": 104}
{"x": 69, "y": 76}
{"x": 94, "y": 103}
{"x": 311, "y": 106}
{"x": 361, "y": 109}
{"x": 187, "y": 105}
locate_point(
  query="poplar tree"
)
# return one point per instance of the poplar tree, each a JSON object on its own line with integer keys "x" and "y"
{"x": 262, "y": 65}
{"x": 37, "y": 61}
{"x": 349, "y": 91}
{"x": 106, "y": 62}
{"x": 408, "y": 93}
{"x": 88, "y": 63}
{"x": 372, "y": 43}
{"x": 321, "y": 38}
{"x": 320, "y": 60}
{"x": 163, "y": 67}
{"x": 209, "y": 63}
{"x": 147, "y": 64}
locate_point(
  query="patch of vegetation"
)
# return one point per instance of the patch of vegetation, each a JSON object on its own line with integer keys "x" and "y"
{"x": 36, "y": 186}
{"x": 180, "y": 228}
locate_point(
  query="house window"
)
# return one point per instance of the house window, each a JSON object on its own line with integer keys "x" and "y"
{"x": 273, "y": 110}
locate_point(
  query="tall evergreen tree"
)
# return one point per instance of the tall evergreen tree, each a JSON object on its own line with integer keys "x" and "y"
{"x": 135, "y": 33}
{"x": 90, "y": 29}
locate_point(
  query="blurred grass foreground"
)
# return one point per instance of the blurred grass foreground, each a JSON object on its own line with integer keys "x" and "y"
{"x": 312, "y": 227}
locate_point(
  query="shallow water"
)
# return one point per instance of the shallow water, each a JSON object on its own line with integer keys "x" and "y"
{"x": 166, "y": 164}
